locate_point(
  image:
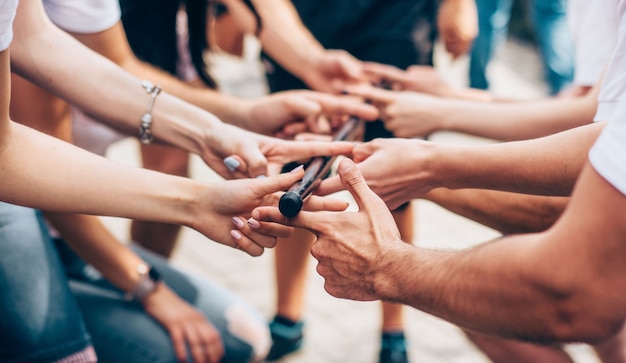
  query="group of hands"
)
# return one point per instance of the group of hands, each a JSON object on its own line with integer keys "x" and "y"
{"x": 242, "y": 211}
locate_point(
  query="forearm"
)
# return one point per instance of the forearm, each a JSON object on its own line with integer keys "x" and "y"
{"x": 505, "y": 212}
{"x": 51, "y": 58}
{"x": 544, "y": 166}
{"x": 88, "y": 237}
{"x": 45, "y": 173}
{"x": 285, "y": 38}
{"x": 565, "y": 284}
{"x": 518, "y": 120}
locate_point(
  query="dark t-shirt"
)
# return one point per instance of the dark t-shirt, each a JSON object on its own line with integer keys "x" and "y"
{"x": 354, "y": 25}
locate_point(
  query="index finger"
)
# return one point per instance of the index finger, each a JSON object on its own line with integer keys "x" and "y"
{"x": 337, "y": 105}
{"x": 299, "y": 150}
{"x": 388, "y": 72}
{"x": 305, "y": 220}
{"x": 373, "y": 94}
{"x": 329, "y": 186}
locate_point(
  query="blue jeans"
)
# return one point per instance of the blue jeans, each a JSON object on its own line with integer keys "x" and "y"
{"x": 549, "y": 20}
{"x": 54, "y": 305}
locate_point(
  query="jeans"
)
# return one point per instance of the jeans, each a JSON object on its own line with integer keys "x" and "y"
{"x": 549, "y": 20}
{"x": 55, "y": 305}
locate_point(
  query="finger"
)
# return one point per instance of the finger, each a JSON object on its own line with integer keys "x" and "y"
{"x": 373, "y": 94}
{"x": 178, "y": 341}
{"x": 336, "y": 105}
{"x": 305, "y": 150}
{"x": 329, "y": 186}
{"x": 235, "y": 166}
{"x": 195, "y": 344}
{"x": 354, "y": 182}
{"x": 318, "y": 124}
{"x": 295, "y": 128}
{"x": 245, "y": 244}
{"x": 306, "y": 220}
{"x": 350, "y": 66}
{"x": 264, "y": 234}
{"x": 388, "y": 72}
{"x": 211, "y": 340}
{"x": 307, "y": 136}
{"x": 277, "y": 183}
{"x": 254, "y": 162}
{"x": 315, "y": 203}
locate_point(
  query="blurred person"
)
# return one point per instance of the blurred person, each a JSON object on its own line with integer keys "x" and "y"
{"x": 548, "y": 18}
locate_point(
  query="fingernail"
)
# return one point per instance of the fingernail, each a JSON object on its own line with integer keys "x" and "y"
{"x": 297, "y": 169}
{"x": 231, "y": 163}
{"x": 261, "y": 176}
{"x": 237, "y": 222}
{"x": 236, "y": 235}
{"x": 254, "y": 224}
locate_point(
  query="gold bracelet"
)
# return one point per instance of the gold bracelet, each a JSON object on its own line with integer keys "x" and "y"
{"x": 145, "y": 134}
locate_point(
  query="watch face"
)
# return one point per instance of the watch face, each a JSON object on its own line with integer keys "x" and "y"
{"x": 154, "y": 274}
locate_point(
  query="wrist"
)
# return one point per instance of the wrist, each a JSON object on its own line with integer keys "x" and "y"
{"x": 147, "y": 280}
{"x": 391, "y": 268}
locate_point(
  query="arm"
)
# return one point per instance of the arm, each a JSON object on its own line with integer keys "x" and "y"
{"x": 399, "y": 170}
{"x": 44, "y": 173}
{"x": 88, "y": 237}
{"x": 410, "y": 114}
{"x": 565, "y": 284}
{"x": 47, "y": 56}
{"x": 505, "y": 212}
{"x": 287, "y": 40}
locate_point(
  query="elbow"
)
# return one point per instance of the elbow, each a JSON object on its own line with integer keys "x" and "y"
{"x": 585, "y": 319}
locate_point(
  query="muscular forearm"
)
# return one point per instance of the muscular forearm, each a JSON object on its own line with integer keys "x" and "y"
{"x": 505, "y": 212}
{"x": 518, "y": 120}
{"x": 88, "y": 237}
{"x": 565, "y": 284}
{"x": 544, "y": 166}
{"x": 55, "y": 61}
{"x": 42, "y": 172}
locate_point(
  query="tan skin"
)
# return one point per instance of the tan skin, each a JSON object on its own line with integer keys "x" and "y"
{"x": 535, "y": 291}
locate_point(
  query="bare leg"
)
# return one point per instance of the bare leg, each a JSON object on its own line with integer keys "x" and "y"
{"x": 501, "y": 350}
{"x": 292, "y": 256}
{"x": 160, "y": 237}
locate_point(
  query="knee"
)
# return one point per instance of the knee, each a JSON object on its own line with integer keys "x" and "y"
{"x": 242, "y": 324}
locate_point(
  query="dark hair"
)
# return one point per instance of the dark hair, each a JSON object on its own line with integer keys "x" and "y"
{"x": 150, "y": 26}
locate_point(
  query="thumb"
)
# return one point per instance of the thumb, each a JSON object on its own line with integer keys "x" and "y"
{"x": 354, "y": 182}
{"x": 280, "y": 182}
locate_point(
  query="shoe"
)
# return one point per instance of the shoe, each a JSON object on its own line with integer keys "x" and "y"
{"x": 286, "y": 337}
{"x": 393, "y": 348}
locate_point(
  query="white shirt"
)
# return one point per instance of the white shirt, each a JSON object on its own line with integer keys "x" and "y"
{"x": 608, "y": 155}
{"x": 83, "y": 16}
{"x": 593, "y": 26}
{"x": 7, "y": 14}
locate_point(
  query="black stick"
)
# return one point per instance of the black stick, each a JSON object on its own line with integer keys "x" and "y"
{"x": 291, "y": 202}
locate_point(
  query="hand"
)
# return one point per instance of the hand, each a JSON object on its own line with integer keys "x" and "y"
{"x": 351, "y": 246}
{"x": 185, "y": 325}
{"x": 457, "y": 23}
{"x": 251, "y": 155}
{"x": 424, "y": 79}
{"x": 406, "y": 114}
{"x": 222, "y": 209}
{"x": 332, "y": 70}
{"x": 285, "y": 114}
{"x": 395, "y": 169}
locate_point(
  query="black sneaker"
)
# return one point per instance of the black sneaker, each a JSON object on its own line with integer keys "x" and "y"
{"x": 286, "y": 337}
{"x": 393, "y": 348}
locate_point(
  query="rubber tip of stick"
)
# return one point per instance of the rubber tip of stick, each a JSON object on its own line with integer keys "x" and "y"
{"x": 290, "y": 204}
